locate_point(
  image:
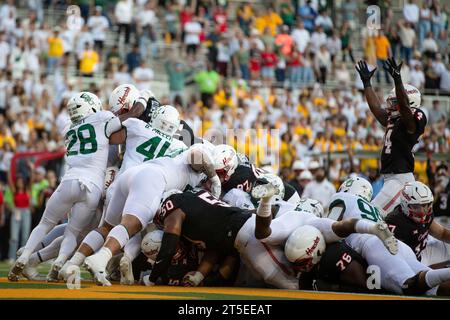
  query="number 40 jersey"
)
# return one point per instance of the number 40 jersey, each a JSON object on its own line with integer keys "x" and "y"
{"x": 87, "y": 144}
{"x": 144, "y": 143}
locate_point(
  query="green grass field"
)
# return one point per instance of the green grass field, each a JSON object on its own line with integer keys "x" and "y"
{"x": 25, "y": 289}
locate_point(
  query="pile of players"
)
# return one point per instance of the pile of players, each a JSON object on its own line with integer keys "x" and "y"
{"x": 147, "y": 202}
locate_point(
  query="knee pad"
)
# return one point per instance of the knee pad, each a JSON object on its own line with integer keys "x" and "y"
{"x": 94, "y": 240}
{"x": 120, "y": 233}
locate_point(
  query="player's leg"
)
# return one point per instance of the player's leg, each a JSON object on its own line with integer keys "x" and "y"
{"x": 82, "y": 214}
{"x": 57, "y": 207}
{"x": 139, "y": 209}
{"x": 389, "y": 196}
{"x": 49, "y": 252}
{"x": 130, "y": 252}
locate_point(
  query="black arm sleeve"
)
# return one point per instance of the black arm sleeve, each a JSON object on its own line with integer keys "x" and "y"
{"x": 165, "y": 255}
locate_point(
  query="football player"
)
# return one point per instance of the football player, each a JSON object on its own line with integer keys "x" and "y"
{"x": 230, "y": 229}
{"x": 137, "y": 196}
{"x": 236, "y": 172}
{"x": 404, "y": 122}
{"x": 87, "y": 141}
{"x": 412, "y": 222}
{"x": 401, "y": 273}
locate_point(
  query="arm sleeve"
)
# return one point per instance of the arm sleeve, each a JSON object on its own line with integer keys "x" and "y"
{"x": 421, "y": 121}
{"x": 112, "y": 125}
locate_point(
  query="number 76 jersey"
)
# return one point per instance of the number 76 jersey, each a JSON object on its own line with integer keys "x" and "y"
{"x": 87, "y": 144}
{"x": 353, "y": 207}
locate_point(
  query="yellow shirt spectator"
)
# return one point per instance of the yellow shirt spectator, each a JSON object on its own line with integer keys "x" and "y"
{"x": 55, "y": 47}
{"x": 273, "y": 20}
{"x": 89, "y": 60}
{"x": 7, "y": 139}
{"x": 382, "y": 46}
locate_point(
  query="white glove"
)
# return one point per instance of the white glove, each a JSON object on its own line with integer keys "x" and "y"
{"x": 145, "y": 95}
{"x": 216, "y": 188}
{"x": 193, "y": 279}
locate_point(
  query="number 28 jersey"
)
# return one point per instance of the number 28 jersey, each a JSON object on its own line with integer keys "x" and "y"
{"x": 396, "y": 155}
{"x": 145, "y": 143}
{"x": 87, "y": 144}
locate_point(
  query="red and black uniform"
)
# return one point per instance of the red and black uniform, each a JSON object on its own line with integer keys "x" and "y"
{"x": 185, "y": 260}
{"x": 396, "y": 155}
{"x": 414, "y": 234}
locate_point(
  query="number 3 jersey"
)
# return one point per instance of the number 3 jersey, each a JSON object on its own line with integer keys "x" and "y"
{"x": 145, "y": 143}
{"x": 396, "y": 155}
{"x": 87, "y": 144}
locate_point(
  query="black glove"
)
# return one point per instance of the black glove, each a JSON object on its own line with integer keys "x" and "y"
{"x": 394, "y": 70}
{"x": 364, "y": 73}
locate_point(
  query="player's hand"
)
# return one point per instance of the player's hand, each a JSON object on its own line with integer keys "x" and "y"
{"x": 145, "y": 279}
{"x": 192, "y": 279}
{"x": 393, "y": 68}
{"x": 216, "y": 188}
{"x": 364, "y": 73}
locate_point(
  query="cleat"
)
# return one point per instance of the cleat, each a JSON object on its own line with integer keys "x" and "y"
{"x": 53, "y": 273}
{"x": 264, "y": 191}
{"x": 16, "y": 270}
{"x": 19, "y": 252}
{"x": 97, "y": 269}
{"x": 126, "y": 271}
{"x": 31, "y": 273}
{"x": 390, "y": 242}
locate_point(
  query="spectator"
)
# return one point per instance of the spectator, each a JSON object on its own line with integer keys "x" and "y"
{"x": 242, "y": 59}
{"x": 192, "y": 30}
{"x": 55, "y": 51}
{"x": 223, "y": 56}
{"x": 323, "y": 20}
{"x": 430, "y": 47}
{"x": 303, "y": 179}
{"x": 334, "y": 46}
{"x": 124, "y": 15}
{"x": 346, "y": 44}
{"x": 424, "y": 23}
{"x": 5, "y": 50}
{"x": 20, "y": 223}
{"x": 268, "y": 63}
{"x": 394, "y": 40}
{"x": 383, "y": 51}
{"x": 436, "y": 113}
{"x": 308, "y": 15}
{"x": 417, "y": 77}
{"x": 89, "y": 60}
{"x": 295, "y": 69}
{"x": 146, "y": 24}
{"x": 445, "y": 80}
{"x": 220, "y": 18}
{"x": 208, "y": 81}
{"x": 273, "y": 20}
{"x": 177, "y": 72}
{"x": 133, "y": 59}
{"x": 284, "y": 41}
{"x": 407, "y": 39}
{"x": 437, "y": 20}
{"x": 300, "y": 36}
{"x": 322, "y": 64}
{"x": 84, "y": 37}
{"x": 287, "y": 15}
{"x": 411, "y": 12}
{"x": 122, "y": 75}
{"x": 320, "y": 188}
{"x": 441, "y": 190}
{"x": 98, "y": 25}
{"x": 318, "y": 38}
{"x": 245, "y": 14}
{"x": 113, "y": 60}
{"x": 39, "y": 183}
{"x": 143, "y": 76}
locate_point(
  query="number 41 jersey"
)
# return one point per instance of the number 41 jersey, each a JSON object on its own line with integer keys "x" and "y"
{"x": 87, "y": 144}
{"x": 396, "y": 155}
{"x": 145, "y": 143}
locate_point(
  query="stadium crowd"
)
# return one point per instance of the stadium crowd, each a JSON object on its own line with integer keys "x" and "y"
{"x": 261, "y": 67}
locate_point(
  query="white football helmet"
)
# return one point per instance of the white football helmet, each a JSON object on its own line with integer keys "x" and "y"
{"x": 82, "y": 105}
{"x": 357, "y": 186}
{"x": 122, "y": 98}
{"x": 416, "y": 201}
{"x": 312, "y": 206}
{"x": 414, "y": 98}
{"x": 151, "y": 244}
{"x": 304, "y": 248}
{"x": 166, "y": 119}
{"x": 225, "y": 161}
{"x": 277, "y": 182}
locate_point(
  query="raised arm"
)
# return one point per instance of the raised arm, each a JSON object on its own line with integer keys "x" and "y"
{"x": 371, "y": 97}
{"x": 200, "y": 161}
{"x": 406, "y": 114}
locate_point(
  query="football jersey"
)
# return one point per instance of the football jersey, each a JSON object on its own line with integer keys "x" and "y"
{"x": 244, "y": 176}
{"x": 87, "y": 144}
{"x": 354, "y": 207}
{"x": 396, "y": 154}
{"x": 145, "y": 143}
{"x": 208, "y": 221}
{"x": 441, "y": 206}
{"x": 414, "y": 234}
